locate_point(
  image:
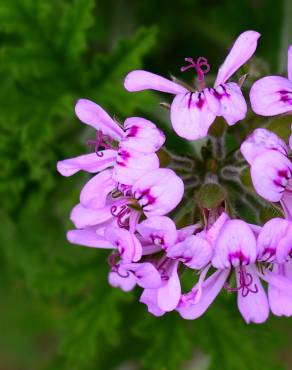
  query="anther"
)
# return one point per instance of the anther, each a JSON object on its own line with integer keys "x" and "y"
{"x": 101, "y": 141}
{"x": 201, "y": 66}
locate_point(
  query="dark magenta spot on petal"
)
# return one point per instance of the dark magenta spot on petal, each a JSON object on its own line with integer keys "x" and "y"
{"x": 286, "y": 96}
{"x": 146, "y": 194}
{"x": 132, "y": 132}
{"x": 238, "y": 255}
{"x": 200, "y": 102}
{"x": 284, "y": 173}
{"x": 124, "y": 154}
{"x": 219, "y": 95}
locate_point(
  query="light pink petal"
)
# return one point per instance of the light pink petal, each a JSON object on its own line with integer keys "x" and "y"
{"x": 232, "y": 103}
{"x": 83, "y": 217}
{"x": 290, "y": 139}
{"x": 146, "y": 274}
{"x": 284, "y": 246}
{"x": 286, "y": 201}
{"x": 270, "y": 173}
{"x": 253, "y": 306}
{"x": 290, "y": 62}
{"x": 126, "y": 283}
{"x": 88, "y": 238}
{"x": 213, "y": 100}
{"x": 150, "y": 249}
{"x": 186, "y": 231}
{"x": 260, "y": 140}
{"x": 87, "y": 162}
{"x": 96, "y": 190}
{"x": 235, "y": 245}
{"x": 210, "y": 289}
{"x": 143, "y": 80}
{"x": 194, "y": 252}
{"x": 128, "y": 245}
{"x": 279, "y": 281}
{"x": 160, "y": 230}
{"x": 214, "y": 231}
{"x": 281, "y": 302}
{"x": 241, "y": 51}
{"x": 271, "y": 96}
{"x": 149, "y": 297}
{"x": 190, "y": 116}
{"x": 158, "y": 192}
{"x": 169, "y": 294}
{"x": 142, "y": 135}
{"x": 269, "y": 238}
{"x": 92, "y": 114}
{"x": 131, "y": 165}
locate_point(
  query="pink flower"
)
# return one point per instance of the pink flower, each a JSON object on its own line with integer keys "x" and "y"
{"x": 272, "y": 95}
{"x": 234, "y": 250}
{"x": 271, "y": 169}
{"x": 193, "y": 112}
{"x": 104, "y": 202}
{"x": 131, "y": 152}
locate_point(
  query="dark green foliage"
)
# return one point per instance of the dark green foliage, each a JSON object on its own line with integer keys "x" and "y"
{"x": 58, "y": 311}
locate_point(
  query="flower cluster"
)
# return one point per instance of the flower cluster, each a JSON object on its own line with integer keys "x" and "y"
{"x": 128, "y": 207}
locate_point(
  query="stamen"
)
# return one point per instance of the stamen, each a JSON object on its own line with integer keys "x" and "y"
{"x": 201, "y": 66}
{"x": 121, "y": 215}
{"x": 245, "y": 282}
{"x": 101, "y": 141}
{"x": 115, "y": 265}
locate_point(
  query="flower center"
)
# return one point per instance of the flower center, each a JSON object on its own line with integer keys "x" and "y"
{"x": 101, "y": 141}
{"x": 201, "y": 66}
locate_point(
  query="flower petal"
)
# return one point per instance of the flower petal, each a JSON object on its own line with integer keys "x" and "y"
{"x": 270, "y": 173}
{"x": 87, "y": 162}
{"x": 83, "y": 217}
{"x": 131, "y": 165}
{"x": 213, "y": 232}
{"x": 145, "y": 273}
{"x": 290, "y": 63}
{"x": 142, "y": 135}
{"x": 92, "y": 114}
{"x": 186, "y": 231}
{"x": 194, "y": 252}
{"x": 260, "y": 140}
{"x": 154, "y": 193}
{"x": 149, "y": 297}
{"x": 253, "y": 306}
{"x": 232, "y": 103}
{"x": 169, "y": 294}
{"x": 271, "y": 95}
{"x": 143, "y": 80}
{"x": 160, "y": 230}
{"x": 190, "y": 115}
{"x": 128, "y": 245}
{"x": 96, "y": 190}
{"x": 210, "y": 289}
{"x": 270, "y": 237}
{"x": 281, "y": 302}
{"x": 284, "y": 246}
{"x": 126, "y": 283}
{"x": 235, "y": 245}
{"x": 241, "y": 51}
{"x": 88, "y": 238}
{"x": 286, "y": 202}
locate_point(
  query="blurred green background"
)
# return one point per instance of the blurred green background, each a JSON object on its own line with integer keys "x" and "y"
{"x": 57, "y": 311}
